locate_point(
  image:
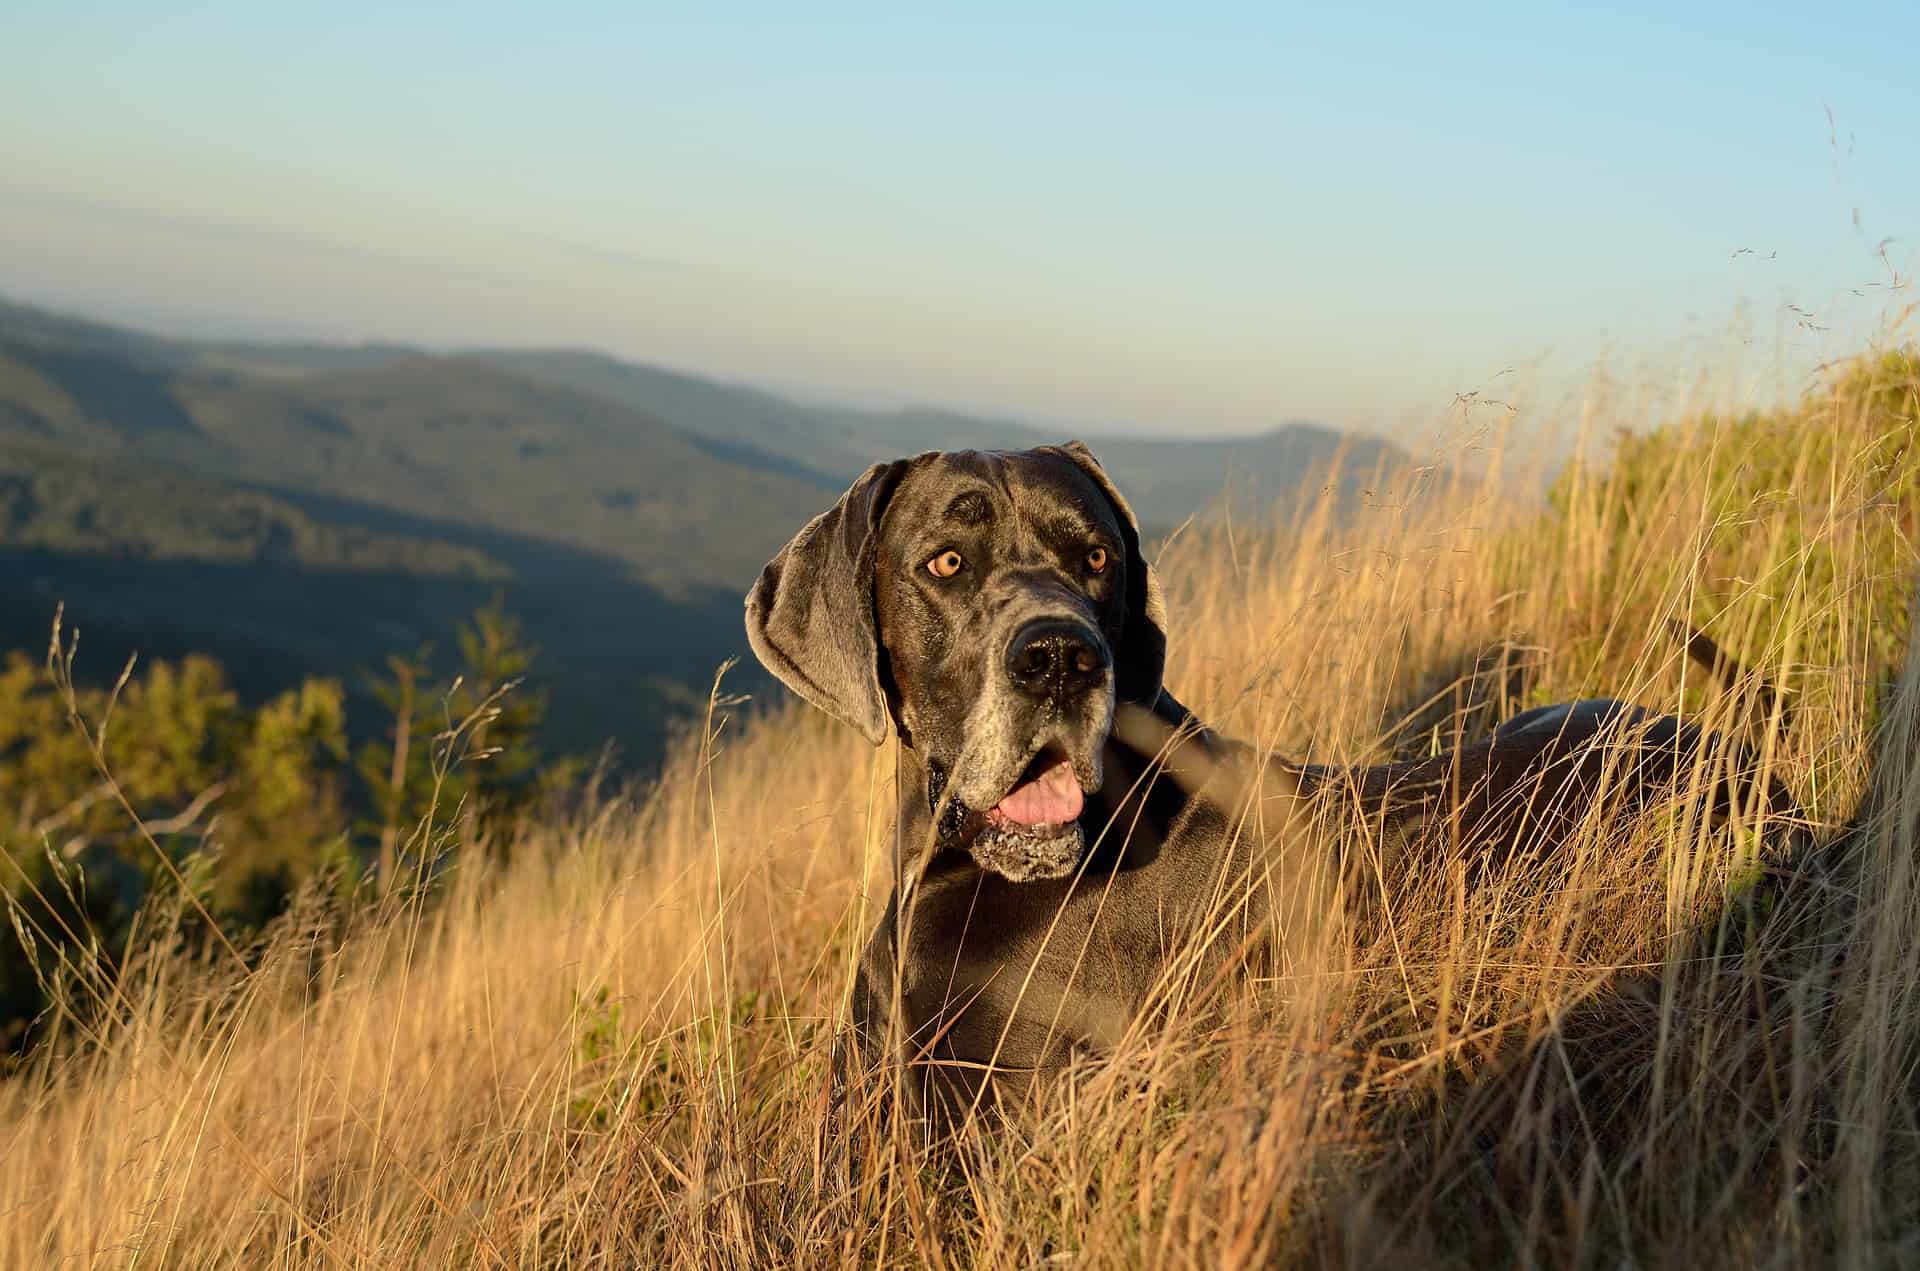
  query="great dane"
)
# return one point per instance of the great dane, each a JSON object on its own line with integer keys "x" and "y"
{"x": 1065, "y": 825}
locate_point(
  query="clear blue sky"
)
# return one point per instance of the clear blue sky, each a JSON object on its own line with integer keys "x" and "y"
{"x": 1211, "y": 221}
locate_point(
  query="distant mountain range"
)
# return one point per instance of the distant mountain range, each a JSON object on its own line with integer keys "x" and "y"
{"x": 306, "y": 508}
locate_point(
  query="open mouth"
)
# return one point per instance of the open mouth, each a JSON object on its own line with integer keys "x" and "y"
{"x": 1033, "y": 833}
{"x": 1045, "y": 800}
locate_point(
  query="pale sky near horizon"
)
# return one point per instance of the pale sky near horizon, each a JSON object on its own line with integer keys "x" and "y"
{"x": 1215, "y": 221}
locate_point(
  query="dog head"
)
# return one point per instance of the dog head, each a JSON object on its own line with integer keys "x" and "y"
{"x": 990, "y": 608}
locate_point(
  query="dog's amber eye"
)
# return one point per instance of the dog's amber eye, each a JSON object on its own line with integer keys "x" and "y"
{"x": 1097, "y": 559}
{"x": 946, "y": 564}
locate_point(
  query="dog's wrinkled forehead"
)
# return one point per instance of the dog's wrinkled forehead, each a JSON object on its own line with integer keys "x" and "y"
{"x": 1027, "y": 494}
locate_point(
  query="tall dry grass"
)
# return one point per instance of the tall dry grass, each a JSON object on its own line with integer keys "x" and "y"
{"x": 609, "y": 1046}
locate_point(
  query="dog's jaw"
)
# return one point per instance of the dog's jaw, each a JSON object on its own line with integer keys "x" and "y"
{"x": 1021, "y": 855}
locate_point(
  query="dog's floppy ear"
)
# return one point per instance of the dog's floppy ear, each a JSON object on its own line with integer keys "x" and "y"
{"x": 810, "y": 617}
{"x": 1141, "y": 658}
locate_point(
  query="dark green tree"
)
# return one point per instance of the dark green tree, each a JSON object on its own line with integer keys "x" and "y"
{"x": 397, "y": 772}
{"x": 464, "y": 750}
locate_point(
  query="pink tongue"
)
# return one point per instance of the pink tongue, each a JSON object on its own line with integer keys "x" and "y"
{"x": 1051, "y": 798}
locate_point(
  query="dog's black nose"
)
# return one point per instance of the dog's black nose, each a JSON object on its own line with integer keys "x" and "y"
{"x": 1056, "y": 658}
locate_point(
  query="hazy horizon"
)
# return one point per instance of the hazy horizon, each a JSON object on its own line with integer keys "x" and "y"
{"x": 226, "y": 329}
{"x": 1213, "y": 227}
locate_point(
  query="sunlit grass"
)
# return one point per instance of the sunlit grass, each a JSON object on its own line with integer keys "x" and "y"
{"x": 613, "y": 1048}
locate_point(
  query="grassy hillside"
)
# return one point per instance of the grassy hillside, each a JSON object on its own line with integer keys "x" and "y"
{"x": 55, "y": 500}
{"x": 610, "y": 1046}
{"x": 432, "y": 439}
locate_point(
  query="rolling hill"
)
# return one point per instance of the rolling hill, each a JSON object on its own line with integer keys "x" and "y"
{"x": 305, "y": 508}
